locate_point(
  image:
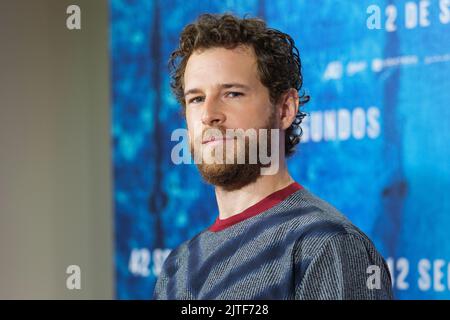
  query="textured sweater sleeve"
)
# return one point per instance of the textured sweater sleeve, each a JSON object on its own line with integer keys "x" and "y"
{"x": 160, "y": 290}
{"x": 345, "y": 267}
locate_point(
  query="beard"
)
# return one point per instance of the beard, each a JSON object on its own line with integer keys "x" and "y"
{"x": 232, "y": 175}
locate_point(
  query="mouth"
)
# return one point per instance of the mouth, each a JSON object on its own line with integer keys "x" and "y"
{"x": 214, "y": 140}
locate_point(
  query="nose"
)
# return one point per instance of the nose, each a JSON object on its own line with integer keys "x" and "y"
{"x": 212, "y": 113}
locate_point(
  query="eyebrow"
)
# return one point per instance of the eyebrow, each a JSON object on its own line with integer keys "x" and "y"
{"x": 221, "y": 86}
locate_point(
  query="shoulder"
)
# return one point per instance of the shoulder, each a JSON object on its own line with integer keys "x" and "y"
{"x": 332, "y": 254}
{"x": 178, "y": 254}
{"x": 322, "y": 231}
{"x": 314, "y": 222}
{"x": 170, "y": 267}
{"x": 345, "y": 266}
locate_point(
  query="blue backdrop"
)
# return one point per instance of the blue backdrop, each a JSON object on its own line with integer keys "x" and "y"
{"x": 376, "y": 142}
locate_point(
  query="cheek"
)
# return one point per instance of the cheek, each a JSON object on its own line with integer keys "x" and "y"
{"x": 256, "y": 115}
{"x": 190, "y": 120}
{"x": 193, "y": 126}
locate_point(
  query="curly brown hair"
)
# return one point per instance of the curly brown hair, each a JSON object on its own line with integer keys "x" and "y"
{"x": 278, "y": 59}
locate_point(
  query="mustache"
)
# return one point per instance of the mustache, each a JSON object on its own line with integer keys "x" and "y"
{"x": 214, "y": 133}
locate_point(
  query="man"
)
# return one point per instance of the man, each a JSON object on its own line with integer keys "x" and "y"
{"x": 273, "y": 239}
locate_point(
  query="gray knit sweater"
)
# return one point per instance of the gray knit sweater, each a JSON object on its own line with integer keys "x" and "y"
{"x": 290, "y": 245}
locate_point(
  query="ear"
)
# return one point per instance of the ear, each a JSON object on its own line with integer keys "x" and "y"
{"x": 288, "y": 108}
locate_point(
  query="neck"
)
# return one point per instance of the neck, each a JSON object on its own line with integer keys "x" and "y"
{"x": 233, "y": 202}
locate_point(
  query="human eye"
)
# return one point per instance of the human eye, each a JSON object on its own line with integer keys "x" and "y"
{"x": 233, "y": 94}
{"x": 195, "y": 100}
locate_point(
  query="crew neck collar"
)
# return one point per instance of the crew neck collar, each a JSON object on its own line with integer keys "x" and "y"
{"x": 263, "y": 205}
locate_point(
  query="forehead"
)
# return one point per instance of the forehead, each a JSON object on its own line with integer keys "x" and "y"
{"x": 221, "y": 65}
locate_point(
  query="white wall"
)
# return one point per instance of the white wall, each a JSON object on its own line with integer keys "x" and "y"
{"x": 55, "y": 168}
